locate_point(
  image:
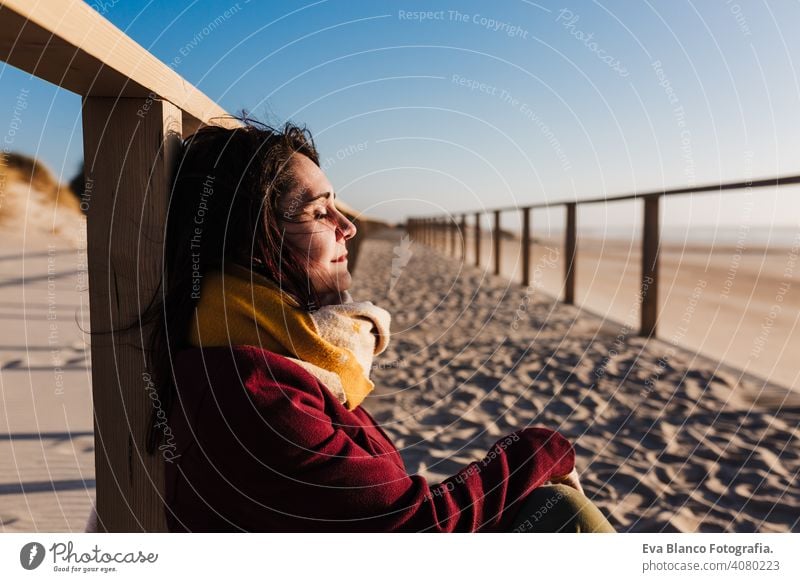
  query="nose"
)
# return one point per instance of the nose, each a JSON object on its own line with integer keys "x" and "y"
{"x": 346, "y": 227}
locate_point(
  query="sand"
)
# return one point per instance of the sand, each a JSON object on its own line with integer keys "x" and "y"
{"x": 667, "y": 440}
{"x": 46, "y": 427}
{"x": 737, "y": 304}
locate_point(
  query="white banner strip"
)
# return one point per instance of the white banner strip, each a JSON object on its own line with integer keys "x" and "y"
{"x": 401, "y": 557}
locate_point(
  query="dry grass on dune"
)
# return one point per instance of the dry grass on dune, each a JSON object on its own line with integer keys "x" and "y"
{"x": 31, "y": 198}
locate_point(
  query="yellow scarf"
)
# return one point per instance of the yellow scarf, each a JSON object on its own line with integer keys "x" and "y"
{"x": 336, "y": 343}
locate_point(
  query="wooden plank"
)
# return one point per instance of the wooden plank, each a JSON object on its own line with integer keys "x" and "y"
{"x": 69, "y": 44}
{"x": 496, "y": 235}
{"x": 650, "y": 250}
{"x": 453, "y": 232}
{"x": 526, "y": 246}
{"x": 428, "y": 232}
{"x": 704, "y": 189}
{"x": 477, "y": 239}
{"x": 128, "y": 161}
{"x": 463, "y": 237}
{"x": 570, "y": 253}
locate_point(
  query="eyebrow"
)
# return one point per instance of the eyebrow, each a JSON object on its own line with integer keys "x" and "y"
{"x": 318, "y": 196}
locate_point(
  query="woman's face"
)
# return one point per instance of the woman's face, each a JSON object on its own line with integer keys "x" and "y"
{"x": 311, "y": 223}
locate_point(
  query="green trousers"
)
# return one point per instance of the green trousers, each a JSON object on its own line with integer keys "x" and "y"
{"x": 559, "y": 508}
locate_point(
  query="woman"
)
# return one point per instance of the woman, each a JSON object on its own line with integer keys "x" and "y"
{"x": 263, "y": 359}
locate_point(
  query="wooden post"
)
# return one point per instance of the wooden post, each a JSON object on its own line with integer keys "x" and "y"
{"x": 453, "y": 235}
{"x": 477, "y": 239}
{"x": 464, "y": 237}
{"x": 570, "y": 254}
{"x": 650, "y": 247}
{"x": 496, "y": 234}
{"x": 526, "y": 247}
{"x": 129, "y": 148}
{"x": 354, "y": 244}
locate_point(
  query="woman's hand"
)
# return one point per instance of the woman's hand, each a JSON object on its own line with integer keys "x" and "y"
{"x": 572, "y": 480}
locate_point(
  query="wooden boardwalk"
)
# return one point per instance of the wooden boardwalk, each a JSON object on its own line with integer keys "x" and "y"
{"x": 47, "y": 474}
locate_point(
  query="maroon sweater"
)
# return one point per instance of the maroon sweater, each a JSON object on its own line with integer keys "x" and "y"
{"x": 262, "y": 445}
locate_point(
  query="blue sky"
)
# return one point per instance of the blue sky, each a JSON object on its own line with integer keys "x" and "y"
{"x": 484, "y": 104}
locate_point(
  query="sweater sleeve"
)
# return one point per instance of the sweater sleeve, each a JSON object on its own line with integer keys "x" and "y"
{"x": 293, "y": 469}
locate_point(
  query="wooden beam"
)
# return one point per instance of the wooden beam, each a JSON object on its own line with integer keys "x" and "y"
{"x": 704, "y": 189}
{"x": 429, "y": 232}
{"x": 526, "y": 246}
{"x": 128, "y": 164}
{"x": 496, "y": 233}
{"x": 431, "y": 241}
{"x": 570, "y": 253}
{"x": 464, "y": 237}
{"x": 650, "y": 251}
{"x": 477, "y": 239}
{"x": 69, "y": 44}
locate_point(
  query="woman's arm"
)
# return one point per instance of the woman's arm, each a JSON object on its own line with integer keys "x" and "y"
{"x": 287, "y": 467}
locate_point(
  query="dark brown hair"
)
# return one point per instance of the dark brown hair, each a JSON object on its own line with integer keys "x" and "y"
{"x": 230, "y": 181}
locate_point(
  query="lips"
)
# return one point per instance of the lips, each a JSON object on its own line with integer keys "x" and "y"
{"x": 341, "y": 259}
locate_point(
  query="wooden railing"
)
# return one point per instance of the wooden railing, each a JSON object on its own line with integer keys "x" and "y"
{"x": 443, "y": 233}
{"x": 135, "y": 110}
